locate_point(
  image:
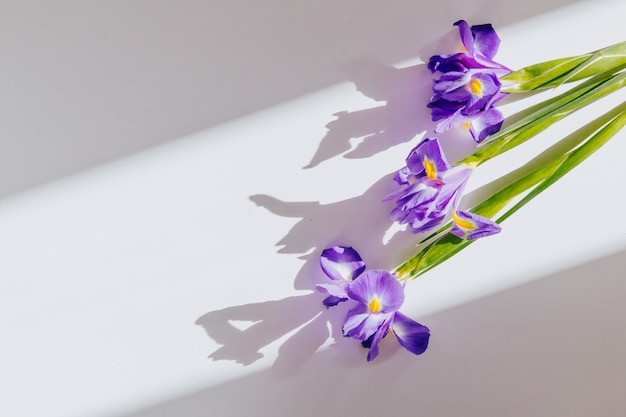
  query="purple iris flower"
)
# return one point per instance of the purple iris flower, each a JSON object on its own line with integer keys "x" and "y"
{"x": 469, "y": 86}
{"x": 471, "y": 226}
{"x": 430, "y": 187}
{"x": 380, "y": 296}
{"x": 341, "y": 264}
{"x": 481, "y": 44}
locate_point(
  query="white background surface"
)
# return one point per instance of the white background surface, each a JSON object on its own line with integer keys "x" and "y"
{"x": 177, "y": 281}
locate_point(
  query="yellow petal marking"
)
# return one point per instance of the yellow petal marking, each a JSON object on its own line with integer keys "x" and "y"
{"x": 462, "y": 223}
{"x": 476, "y": 87}
{"x": 374, "y": 305}
{"x": 431, "y": 171}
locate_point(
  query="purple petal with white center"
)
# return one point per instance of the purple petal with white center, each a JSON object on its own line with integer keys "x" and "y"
{"x": 449, "y": 82}
{"x": 361, "y": 324}
{"x": 337, "y": 292}
{"x": 415, "y": 214}
{"x": 477, "y": 93}
{"x": 426, "y": 223}
{"x": 377, "y": 337}
{"x": 454, "y": 181}
{"x": 409, "y": 216}
{"x": 486, "y": 124}
{"x": 380, "y": 284}
{"x": 461, "y": 95}
{"x": 481, "y": 96}
{"x": 341, "y": 263}
{"x": 428, "y": 149}
{"x": 470, "y": 226}
{"x": 337, "y": 289}
{"x": 446, "y": 200}
{"x": 402, "y": 192}
{"x": 426, "y": 204}
{"x": 411, "y": 335}
{"x": 450, "y": 122}
{"x": 421, "y": 194}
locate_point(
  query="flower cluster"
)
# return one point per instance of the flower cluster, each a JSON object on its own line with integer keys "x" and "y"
{"x": 430, "y": 190}
{"x": 378, "y": 296}
{"x": 464, "y": 93}
{"x": 429, "y": 193}
{"x": 468, "y": 85}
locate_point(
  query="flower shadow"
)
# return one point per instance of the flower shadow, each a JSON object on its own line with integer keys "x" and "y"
{"x": 402, "y": 116}
{"x": 361, "y": 221}
{"x": 487, "y": 354}
{"x": 271, "y": 320}
{"x": 302, "y": 319}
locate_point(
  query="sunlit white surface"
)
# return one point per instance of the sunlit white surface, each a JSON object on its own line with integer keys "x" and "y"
{"x": 119, "y": 282}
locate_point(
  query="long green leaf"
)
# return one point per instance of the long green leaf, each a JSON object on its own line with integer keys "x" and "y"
{"x": 575, "y": 157}
{"x": 546, "y": 114}
{"x": 559, "y": 71}
{"x": 448, "y": 245}
{"x": 592, "y": 137}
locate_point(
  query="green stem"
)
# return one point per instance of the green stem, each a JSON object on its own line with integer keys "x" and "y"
{"x": 576, "y": 148}
{"x": 545, "y": 114}
{"x": 554, "y": 73}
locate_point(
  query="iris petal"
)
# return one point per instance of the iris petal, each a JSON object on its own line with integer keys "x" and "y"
{"x": 426, "y": 203}
{"x": 422, "y": 194}
{"x": 337, "y": 292}
{"x": 360, "y": 324}
{"x": 334, "y": 289}
{"x": 486, "y": 124}
{"x": 428, "y": 149}
{"x": 443, "y": 109}
{"x": 486, "y": 40}
{"x": 448, "y": 83}
{"x": 480, "y": 226}
{"x": 341, "y": 263}
{"x": 425, "y": 224}
{"x": 377, "y": 337}
{"x": 332, "y": 301}
{"x": 489, "y": 87}
{"x": 466, "y": 35}
{"x": 380, "y": 284}
{"x": 411, "y": 335}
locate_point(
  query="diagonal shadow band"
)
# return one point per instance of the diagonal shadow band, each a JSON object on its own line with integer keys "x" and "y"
{"x": 319, "y": 226}
{"x": 554, "y": 344}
